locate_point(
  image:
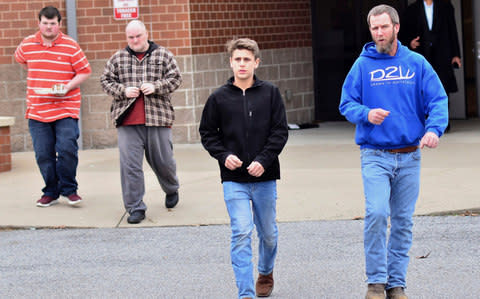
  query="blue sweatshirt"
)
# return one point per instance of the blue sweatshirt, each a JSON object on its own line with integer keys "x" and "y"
{"x": 404, "y": 84}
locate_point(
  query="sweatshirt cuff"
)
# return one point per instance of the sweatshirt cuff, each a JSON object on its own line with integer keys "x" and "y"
{"x": 435, "y": 131}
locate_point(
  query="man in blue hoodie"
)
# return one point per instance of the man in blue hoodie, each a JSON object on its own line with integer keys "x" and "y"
{"x": 399, "y": 106}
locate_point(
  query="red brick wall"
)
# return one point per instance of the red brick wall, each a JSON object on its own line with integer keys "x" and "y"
{"x": 5, "y": 149}
{"x": 99, "y": 34}
{"x": 274, "y": 24}
{"x": 19, "y": 19}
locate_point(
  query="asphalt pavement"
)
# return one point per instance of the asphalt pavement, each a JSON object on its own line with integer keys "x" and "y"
{"x": 316, "y": 259}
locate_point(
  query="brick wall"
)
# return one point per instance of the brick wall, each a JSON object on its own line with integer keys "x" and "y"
{"x": 99, "y": 34}
{"x": 282, "y": 29}
{"x": 290, "y": 69}
{"x": 17, "y": 20}
{"x": 12, "y": 103}
{"x": 274, "y": 24}
{"x": 5, "y": 149}
{"x": 192, "y": 30}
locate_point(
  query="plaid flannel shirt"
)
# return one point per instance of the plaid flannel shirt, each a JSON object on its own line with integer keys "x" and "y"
{"x": 158, "y": 67}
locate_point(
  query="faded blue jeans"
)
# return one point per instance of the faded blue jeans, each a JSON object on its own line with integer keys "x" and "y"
{"x": 56, "y": 152}
{"x": 249, "y": 204}
{"x": 391, "y": 184}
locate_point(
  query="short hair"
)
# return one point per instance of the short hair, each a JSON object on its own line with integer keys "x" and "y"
{"x": 136, "y": 23}
{"x": 243, "y": 43}
{"x": 49, "y": 12}
{"x": 381, "y": 9}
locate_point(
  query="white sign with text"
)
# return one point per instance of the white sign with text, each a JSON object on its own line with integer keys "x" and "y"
{"x": 125, "y": 9}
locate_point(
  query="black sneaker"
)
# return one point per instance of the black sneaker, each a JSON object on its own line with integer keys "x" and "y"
{"x": 136, "y": 217}
{"x": 171, "y": 200}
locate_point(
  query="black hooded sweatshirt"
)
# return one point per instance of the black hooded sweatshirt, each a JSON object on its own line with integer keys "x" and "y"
{"x": 251, "y": 125}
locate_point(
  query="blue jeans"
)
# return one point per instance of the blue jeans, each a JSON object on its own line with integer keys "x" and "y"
{"x": 391, "y": 184}
{"x": 262, "y": 213}
{"x": 56, "y": 152}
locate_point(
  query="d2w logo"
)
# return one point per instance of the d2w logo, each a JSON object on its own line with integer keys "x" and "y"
{"x": 390, "y": 73}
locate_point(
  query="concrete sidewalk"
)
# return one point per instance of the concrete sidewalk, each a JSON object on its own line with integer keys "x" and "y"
{"x": 321, "y": 180}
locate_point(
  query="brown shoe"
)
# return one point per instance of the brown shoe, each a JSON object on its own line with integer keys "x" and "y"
{"x": 396, "y": 293}
{"x": 376, "y": 291}
{"x": 264, "y": 286}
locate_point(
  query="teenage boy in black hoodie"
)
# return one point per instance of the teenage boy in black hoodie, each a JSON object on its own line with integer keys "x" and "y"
{"x": 244, "y": 127}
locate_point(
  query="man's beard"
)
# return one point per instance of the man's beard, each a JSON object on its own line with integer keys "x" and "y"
{"x": 387, "y": 47}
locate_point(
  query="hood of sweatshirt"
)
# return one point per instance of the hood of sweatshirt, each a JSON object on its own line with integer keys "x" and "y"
{"x": 370, "y": 50}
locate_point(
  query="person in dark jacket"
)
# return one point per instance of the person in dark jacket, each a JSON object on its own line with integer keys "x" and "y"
{"x": 244, "y": 127}
{"x": 428, "y": 27}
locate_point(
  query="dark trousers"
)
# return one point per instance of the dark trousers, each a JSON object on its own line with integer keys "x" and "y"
{"x": 56, "y": 153}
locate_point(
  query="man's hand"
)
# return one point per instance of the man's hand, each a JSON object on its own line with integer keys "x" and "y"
{"x": 255, "y": 169}
{"x": 430, "y": 140}
{"x": 147, "y": 88}
{"x": 377, "y": 116}
{"x": 60, "y": 90}
{"x": 233, "y": 162}
{"x": 132, "y": 92}
{"x": 457, "y": 60}
{"x": 415, "y": 43}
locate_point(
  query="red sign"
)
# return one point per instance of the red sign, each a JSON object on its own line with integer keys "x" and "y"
{"x": 125, "y": 9}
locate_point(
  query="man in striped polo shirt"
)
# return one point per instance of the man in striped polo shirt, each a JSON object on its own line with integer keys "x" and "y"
{"x": 56, "y": 67}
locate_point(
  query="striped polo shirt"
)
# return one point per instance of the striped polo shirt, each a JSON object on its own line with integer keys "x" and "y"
{"x": 47, "y": 66}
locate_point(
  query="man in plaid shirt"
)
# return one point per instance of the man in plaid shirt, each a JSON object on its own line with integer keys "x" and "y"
{"x": 140, "y": 78}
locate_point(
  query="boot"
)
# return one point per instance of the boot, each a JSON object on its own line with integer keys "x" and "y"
{"x": 376, "y": 291}
{"x": 396, "y": 293}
